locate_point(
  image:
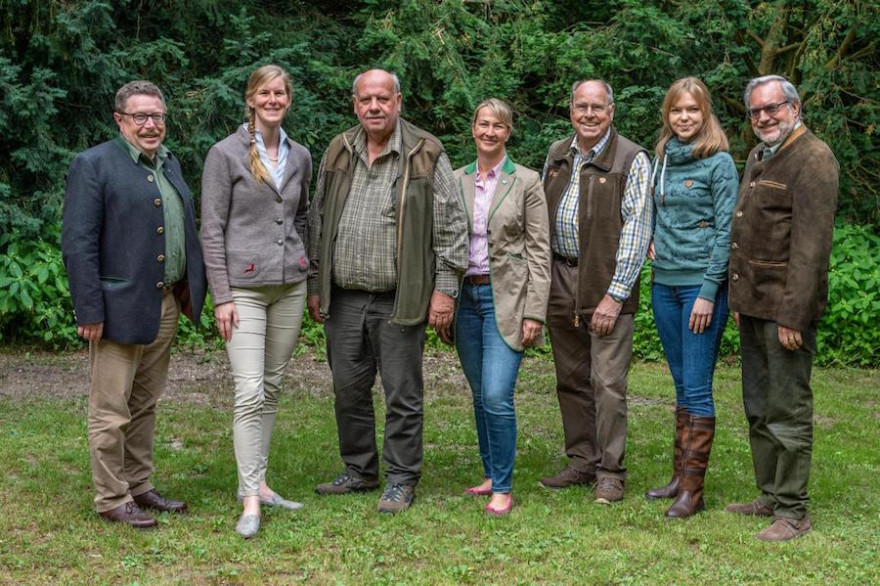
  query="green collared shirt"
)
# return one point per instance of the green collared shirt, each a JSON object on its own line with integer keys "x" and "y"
{"x": 172, "y": 209}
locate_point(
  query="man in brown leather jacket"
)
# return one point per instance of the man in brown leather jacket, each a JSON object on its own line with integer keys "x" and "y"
{"x": 780, "y": 245}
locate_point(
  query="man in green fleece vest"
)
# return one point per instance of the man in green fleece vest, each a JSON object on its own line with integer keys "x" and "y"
{"x": 388, "y": 243}
{"x": 780, "y": 243}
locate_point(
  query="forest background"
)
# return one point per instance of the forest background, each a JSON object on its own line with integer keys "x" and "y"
{"x": 62, "y": 61}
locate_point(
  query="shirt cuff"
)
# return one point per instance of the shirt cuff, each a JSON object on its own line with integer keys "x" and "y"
{"x": 618, "y": 292}
{"x": 708, "y": 291}
{"x": 446, "y": 281}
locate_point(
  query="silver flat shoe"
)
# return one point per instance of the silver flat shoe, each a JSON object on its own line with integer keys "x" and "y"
{"x": 248, "y": 526}
{"x": 277, "y": 501}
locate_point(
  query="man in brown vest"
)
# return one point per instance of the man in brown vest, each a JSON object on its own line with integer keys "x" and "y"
{"x": 388, "y": 245}
{"x": 600, "y": 225}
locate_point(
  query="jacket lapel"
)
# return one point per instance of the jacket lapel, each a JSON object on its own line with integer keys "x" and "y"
{"x": 505, "y": 183}
{"x": 467, "y": 186}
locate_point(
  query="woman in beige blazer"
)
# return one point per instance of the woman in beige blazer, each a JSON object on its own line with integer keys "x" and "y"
{"x": 503, "y": 300}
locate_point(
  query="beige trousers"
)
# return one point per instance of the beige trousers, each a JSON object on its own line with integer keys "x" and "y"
{"x": 126, "y": 383}
{"x": 269, "y": 320}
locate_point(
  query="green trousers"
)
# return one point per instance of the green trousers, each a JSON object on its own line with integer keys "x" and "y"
{"x": 779, "y": 407}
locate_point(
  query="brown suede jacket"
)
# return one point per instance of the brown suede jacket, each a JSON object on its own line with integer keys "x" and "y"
{"x": 782, "y": 230}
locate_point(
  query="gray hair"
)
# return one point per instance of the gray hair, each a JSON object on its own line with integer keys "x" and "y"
{"x": 137, "y": 88}
{"x": 393, "y": 75}
{"x": 608, "y": 91}
{"x": 788, "y": 90}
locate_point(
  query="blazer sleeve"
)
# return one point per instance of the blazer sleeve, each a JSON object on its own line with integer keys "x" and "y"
{"x": 216, "y": 199}
{"x": 537, "y": 237}
{"x": 81, "y": 227}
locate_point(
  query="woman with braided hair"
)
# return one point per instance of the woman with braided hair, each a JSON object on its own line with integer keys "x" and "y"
{"x": 254, "y": 204}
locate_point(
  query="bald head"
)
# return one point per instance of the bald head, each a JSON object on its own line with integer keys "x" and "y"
{"x": 377, "y": 103}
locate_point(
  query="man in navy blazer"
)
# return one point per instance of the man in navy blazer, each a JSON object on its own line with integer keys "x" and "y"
{"x": 132, "y": 254}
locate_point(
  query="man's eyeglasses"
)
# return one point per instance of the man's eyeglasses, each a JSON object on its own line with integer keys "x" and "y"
{"x": 771, "y": 110}
{"x": 586, "y": 108}
{"x": 140, "y": 118}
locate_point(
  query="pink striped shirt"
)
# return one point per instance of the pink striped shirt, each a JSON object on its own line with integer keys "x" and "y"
{"x": 484, "y": 192}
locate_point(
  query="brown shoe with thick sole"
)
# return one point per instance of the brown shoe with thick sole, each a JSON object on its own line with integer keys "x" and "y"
{"x": 130, "y": 514}
{"x": 609, "y": 490}
{"x": 155, "y": 501}
{"x": 566, "y": 477}
{"x": 785, "y": 529}
{"x": 755, "y": 509}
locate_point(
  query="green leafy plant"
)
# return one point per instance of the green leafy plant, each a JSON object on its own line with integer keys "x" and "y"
{"x": 34, "y": 296}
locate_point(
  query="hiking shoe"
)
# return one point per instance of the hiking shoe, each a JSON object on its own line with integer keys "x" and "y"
{"x": 346, "y": 483}
{"x": 609, "y": 489}
{"x": 396, "y": 498}
{"x": 566, "y": 477}
{"x": 785, "y": 529}
{"x": 755, "y": 508}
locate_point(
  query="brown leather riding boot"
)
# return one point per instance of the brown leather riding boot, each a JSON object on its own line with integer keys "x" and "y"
{"x": 698, "y": 435}
{"x": 671, "y": 490}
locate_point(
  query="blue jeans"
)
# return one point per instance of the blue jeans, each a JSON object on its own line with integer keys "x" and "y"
{"x": 691, "y": 356}
{"x": 490, "y": 366}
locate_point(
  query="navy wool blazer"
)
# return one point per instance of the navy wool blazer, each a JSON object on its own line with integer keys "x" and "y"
{"x": 113, "y": 243}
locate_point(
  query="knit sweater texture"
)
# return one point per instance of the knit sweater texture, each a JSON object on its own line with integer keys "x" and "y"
{"x": 693, "y": 206}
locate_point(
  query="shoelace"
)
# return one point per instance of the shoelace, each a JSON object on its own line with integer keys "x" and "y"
{"x": 341, "y": 479}
{"x": 393, "y": 493}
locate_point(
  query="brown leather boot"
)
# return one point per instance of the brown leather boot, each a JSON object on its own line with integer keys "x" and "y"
{"x": 697, "y": 444}
{"x": 671, "y": 490}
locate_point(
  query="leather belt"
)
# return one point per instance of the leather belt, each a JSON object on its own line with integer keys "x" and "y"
{"x": 572, "y": 262}
{"x": 478, "y": 279}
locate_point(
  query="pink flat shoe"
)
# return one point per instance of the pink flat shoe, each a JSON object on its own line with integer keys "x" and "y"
{"x": 478, "y": 491}
{"x": 492, "y": 511}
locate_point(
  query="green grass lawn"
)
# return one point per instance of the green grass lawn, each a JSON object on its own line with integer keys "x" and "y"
{"x": 49, "y": 532}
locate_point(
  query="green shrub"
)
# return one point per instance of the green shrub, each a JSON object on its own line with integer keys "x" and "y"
{"x": 34, "y": 299}
{"x": 35, "y": 306}
{"x": 849, "y": 332}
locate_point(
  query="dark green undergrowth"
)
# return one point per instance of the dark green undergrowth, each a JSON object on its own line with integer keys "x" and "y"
{"x": 49, "y": 533}
{"x": 35, "y": 307}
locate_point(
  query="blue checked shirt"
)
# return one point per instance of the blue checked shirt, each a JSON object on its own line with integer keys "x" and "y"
{"x": 636, "y": 209}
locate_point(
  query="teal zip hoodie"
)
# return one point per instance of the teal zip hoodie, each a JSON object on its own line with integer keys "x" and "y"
{"x": 693, "y": 207}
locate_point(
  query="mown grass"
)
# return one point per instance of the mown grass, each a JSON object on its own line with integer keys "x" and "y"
{"x": 50, "y": 534}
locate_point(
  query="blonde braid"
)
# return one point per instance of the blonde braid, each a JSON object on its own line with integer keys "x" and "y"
{"x": 258, "y": 170}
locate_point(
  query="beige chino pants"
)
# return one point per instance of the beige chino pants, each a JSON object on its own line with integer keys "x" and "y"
{"x": 127, "y": 381}
{"x": 269, "y": 321}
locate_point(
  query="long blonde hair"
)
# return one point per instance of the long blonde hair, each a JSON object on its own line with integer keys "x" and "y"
{"x": 711, "y": 138}
{"x": 258, "y": 79}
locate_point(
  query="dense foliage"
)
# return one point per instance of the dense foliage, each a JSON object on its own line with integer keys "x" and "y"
{"x": 61, "y": 62}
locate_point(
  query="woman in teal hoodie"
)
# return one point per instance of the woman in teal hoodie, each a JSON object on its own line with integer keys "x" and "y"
{"x": 695, "y": 189}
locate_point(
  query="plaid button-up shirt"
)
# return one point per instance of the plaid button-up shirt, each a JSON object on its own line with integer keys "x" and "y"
{"x": 636, "y": 209}
{"x": 364, "y": 256}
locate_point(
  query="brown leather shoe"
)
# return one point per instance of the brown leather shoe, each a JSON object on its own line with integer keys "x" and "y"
{"x": 755, "y": 508}
{"x": 566, "y": 477}
{"x": 130, "y": 514}
{"x": 609, "y": 490}
{"x": 153, "y": 500}
{"x": 785, "y": 529}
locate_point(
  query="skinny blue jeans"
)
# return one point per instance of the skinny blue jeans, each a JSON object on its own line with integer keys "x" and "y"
{"x": 691, "y": 356}
{"x": 491, "y": 367}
